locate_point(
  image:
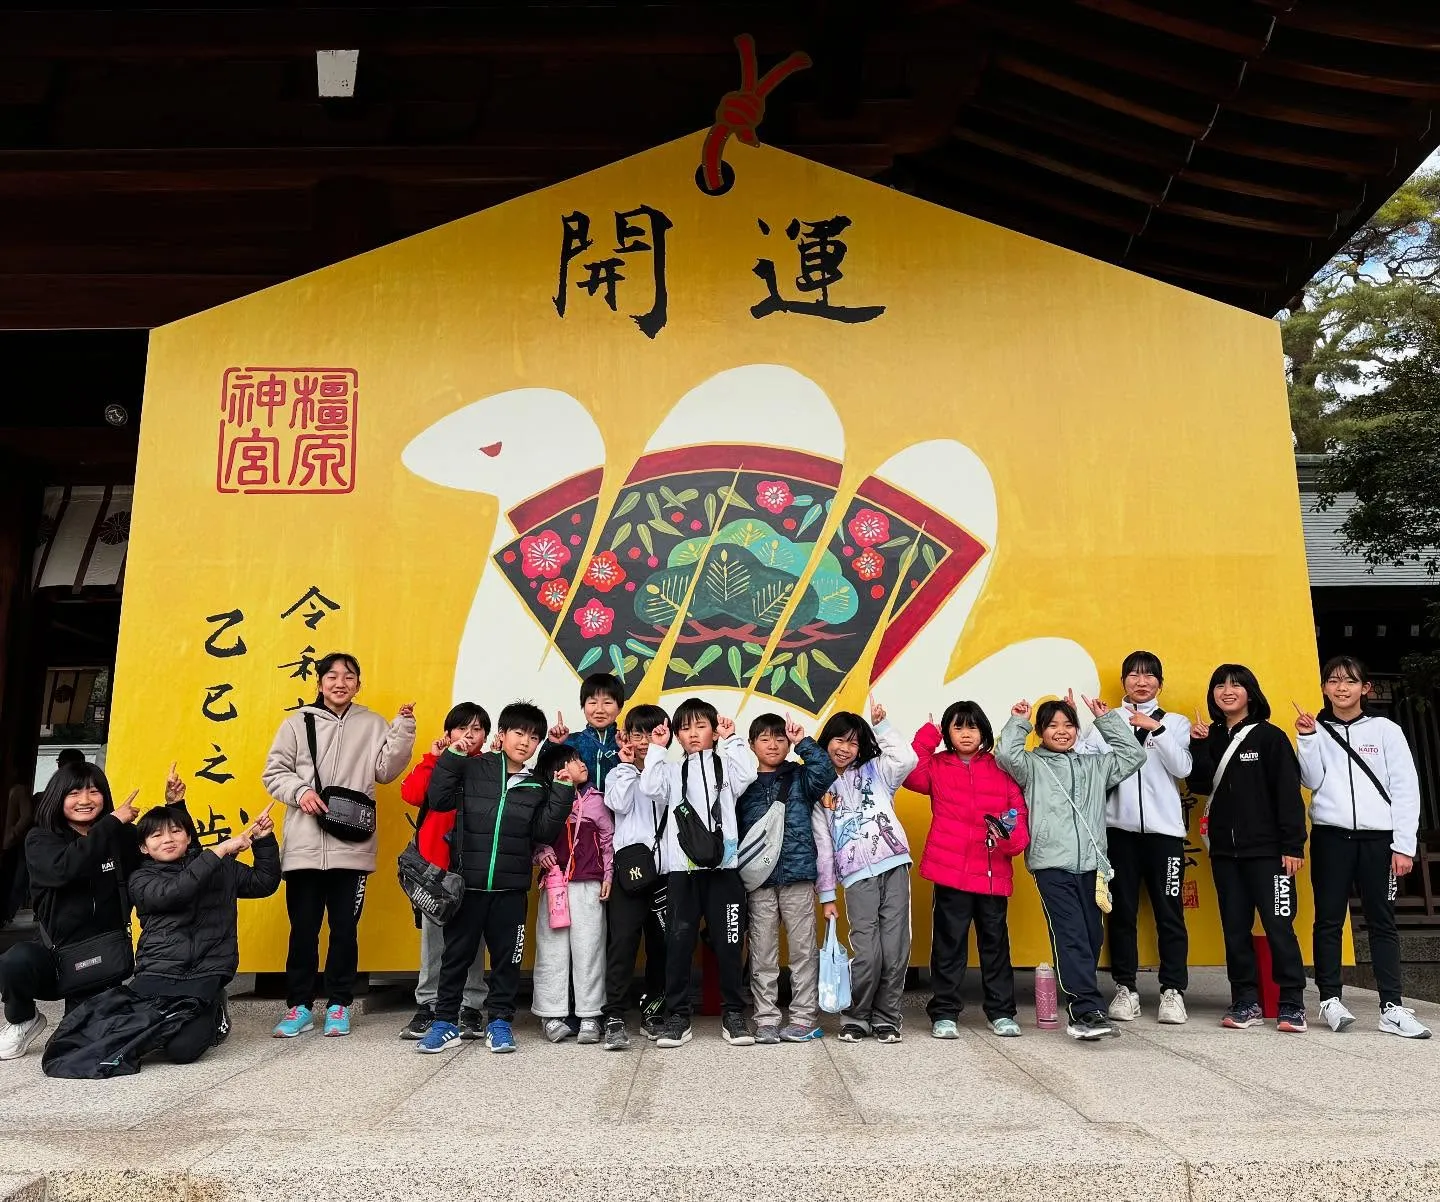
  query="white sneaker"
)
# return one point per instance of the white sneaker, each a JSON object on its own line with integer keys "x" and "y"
{"x": 1333, "y": 1012}
{"x": 1395, "y": 1020}
{"x": 1172, "y": 1008}
{"x": 1126, "y": 1006}
{"x": 16, "y": 1038}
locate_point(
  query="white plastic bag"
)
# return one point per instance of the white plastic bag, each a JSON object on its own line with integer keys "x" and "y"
{"x": 834, "y": 972}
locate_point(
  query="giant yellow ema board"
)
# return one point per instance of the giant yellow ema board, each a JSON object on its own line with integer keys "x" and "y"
{"x": 949, "y": 460}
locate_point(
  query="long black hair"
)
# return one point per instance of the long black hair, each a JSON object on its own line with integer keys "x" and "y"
{"x": 969, "y": 713}
{"x": 1237, "y": 674}
{"x": 844, "y": 725}
{"x": 50, "y": 813}
{"x": 323, "y": 666}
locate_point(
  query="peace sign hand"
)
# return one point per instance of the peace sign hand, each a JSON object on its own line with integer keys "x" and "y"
{"x": 1199, "y": 729}
{"x": 406, "y": 711}
{"x": 1094, "y": 705}
{"x": 1304, "y": 722}
{"x": 877, "y": 712}
{"x": 625, "y": 748}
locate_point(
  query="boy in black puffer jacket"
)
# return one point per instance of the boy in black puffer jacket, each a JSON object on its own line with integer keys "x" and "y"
{"x": 185, "y": 899}
{"x": 788, "y": 894}
{"x": 503, "y": 813}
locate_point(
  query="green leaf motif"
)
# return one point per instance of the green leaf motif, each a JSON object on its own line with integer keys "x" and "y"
{"x": 732, "y": 657}
{"x": 928, "y": 552}
{"x": 754, "y": 648}
{"x": 777, "y": 681}
{"x": 746, "y": 533}
{"x": 838, "y": 600}
{"x": 680, "y": 666}
{"x": 617, "y": 661}
{"x": 801, "y": 501}
{"x": 810, "y": 517}
{"x": 663, "y": 526}
{"x": 783, "y": 658}
{"x": 588, "y": 660}
{"x": 643, "y": 533}
{"x": 660, "y": 602}
{"x": 670, "y": 498}
{"x": 627, "y": 504}
{"x": 712, "y": 509}
{"x": 630, "y": 663}
{"x": 621, "y": 535}
{"x": 824, "y": 660}
{"x": 640, "y": 648}
{"x": 686, "y": 495}
{"x": 769, "y": 602}
{"x": 736, "y": 501}
{"x": 654, "y": 504}
{"x": 726, "y": 579}
{"x": 898, "y": 541}
{"x": 707, "y": 657}
{"x": 800, "y": 674}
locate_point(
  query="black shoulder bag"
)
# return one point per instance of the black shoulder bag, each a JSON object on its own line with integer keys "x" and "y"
{"x": 434, "y": 891}
{"x": 1359, "y": 762}
{"x": 351, "y": 814}
{"x": 703, "y": 843}
{"x": 635, "y": 866}
{"x": 90, "y": 965}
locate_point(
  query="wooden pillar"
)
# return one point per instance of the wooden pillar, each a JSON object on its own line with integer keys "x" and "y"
{"x": 20, "y": 508}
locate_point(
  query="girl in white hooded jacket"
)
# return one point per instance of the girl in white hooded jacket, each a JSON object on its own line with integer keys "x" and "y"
{"x": 1364, "y": 812}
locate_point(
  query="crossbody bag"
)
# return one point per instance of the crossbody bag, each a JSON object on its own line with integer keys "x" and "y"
{"x": 1359, "y": 761}
{"x": 1224, "y": 763}
{"x": 1102, "y": 877}
{"x": 434, "y": 891}
{"x": 98, "y": 962}
{"x": 350, "y": 814}
{"x": 636, "y": 865}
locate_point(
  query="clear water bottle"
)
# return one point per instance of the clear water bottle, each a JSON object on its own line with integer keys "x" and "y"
{"x": 1047, "y": 998}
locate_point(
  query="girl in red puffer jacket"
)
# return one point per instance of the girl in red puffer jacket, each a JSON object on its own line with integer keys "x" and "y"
{"x": 977, "y": 826}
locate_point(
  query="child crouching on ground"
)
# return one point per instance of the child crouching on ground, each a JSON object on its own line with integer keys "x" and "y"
{"x": 872, "y": 861}
{"x": 503, "y": 811}
{"x": 977, "y": 826}
{"x": 700, "y": 844}
{"x": 467, "y": 726}
{"x": 584, "y": 855}
{"x": 185, "y": 899}
{"x": 787, "y": 895}
{"x": 1066, "y": 794}
{"x": 638, "y": 899}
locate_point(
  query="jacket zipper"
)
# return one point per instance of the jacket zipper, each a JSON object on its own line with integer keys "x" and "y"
{"x": 499, "y": 815}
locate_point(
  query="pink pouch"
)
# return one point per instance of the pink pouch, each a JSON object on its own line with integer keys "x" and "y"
{"x": 557, "y": 899}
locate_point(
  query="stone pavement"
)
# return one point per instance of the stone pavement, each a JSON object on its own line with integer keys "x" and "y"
{"x": 1160, "y": 1114}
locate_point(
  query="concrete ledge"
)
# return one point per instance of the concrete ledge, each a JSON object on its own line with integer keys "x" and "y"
{"x": 1162, "y": 1114}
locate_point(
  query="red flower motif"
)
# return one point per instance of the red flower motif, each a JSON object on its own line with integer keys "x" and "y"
{"x": 774, "y": 495}
{"x": 595, "y": 618}
{"x": 869, "y": 527}
{"x": 543, "y": 554}
{"x": 869, "y": 564}
{"x": 604, "y": 572}
{"x": 552, "y": 594}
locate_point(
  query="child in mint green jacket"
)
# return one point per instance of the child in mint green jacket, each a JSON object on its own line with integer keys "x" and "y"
{"x": 1065, "y": 793}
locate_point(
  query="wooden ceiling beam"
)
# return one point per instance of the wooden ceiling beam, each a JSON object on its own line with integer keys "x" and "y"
{"x": 1253, "y": 140}
{"x": 1297, "y": 103}
{"x": 1295, "y": 54}
{"x": 1183, "y": 23}
{"x": 1415, "y": 28}
{"x": 1211, "y": 271}
{"x": 1219, "y": 209}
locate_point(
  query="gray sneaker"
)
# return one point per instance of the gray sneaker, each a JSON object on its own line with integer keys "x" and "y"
{"x": 769, "y": 1033}
{"x": 556, "y": 1029}
{"x": 796, "y": 1033}
{"x": 589, "y": 1031}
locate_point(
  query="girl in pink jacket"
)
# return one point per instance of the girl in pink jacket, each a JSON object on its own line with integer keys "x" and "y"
{"x": 977, "y": 825}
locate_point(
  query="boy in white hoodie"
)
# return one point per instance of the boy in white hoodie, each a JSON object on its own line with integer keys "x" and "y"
{"x": 1145, "y": 832}
{"x": 1364, "y": 812}
{"x": 699, "y": 845}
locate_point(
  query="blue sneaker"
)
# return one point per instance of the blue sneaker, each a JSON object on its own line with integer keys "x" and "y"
{"x": 799, "y": 1033}
{"x": 440, "y": 1037}
{"x": 297, "y": 1021}
{"x": 337, "y": 1020}
{"x": 499, "y": 1037}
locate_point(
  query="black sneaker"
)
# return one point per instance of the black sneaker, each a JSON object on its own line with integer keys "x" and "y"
{"x": 472, "y": 1024}
{"x": 653, "y": 1025}
{"x": 1090, "y": 1026}
{"x": 676, "y": 1033}
{"x": 420, "y": 1024}
{"x": 887, "y": 1035}
{"x": 616, "y": 1038}
{"x": 853, "y": 1033}
{"x": 734, "y": 1029}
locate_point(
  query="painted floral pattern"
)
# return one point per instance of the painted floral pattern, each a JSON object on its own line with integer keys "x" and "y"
{"x": 766, "y": 526}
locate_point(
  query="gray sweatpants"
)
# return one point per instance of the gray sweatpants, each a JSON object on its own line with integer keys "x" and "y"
{"x": 794, "y": 905}
{"x": 432, "y": 949}
{"x": 878, "y": 911}
{"x": 577, "y": 950}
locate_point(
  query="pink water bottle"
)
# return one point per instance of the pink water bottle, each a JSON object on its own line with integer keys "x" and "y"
{"x": 1047, "y": 1000}
{"x": 557, "y": 899}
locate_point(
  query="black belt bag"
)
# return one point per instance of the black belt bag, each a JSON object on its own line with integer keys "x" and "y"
{"x": 90, "y": 965}
{"x": 350, "y": 815}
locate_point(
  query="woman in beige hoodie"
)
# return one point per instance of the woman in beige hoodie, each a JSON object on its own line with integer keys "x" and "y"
{"x": 354, "y": 748}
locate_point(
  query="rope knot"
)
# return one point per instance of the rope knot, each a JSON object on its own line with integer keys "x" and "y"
{"x": 740, "y": 113}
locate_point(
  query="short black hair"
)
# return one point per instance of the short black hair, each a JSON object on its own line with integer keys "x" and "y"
{"x": 642, "y": 719}
{"x": 524, "y": 716}
{"x": 50, "y": 813}
{"x": 766, "y": 724}
{"x": 464, "y": 713}
{"x": 692, "y": 710}
{"x": 163, "y": 818}
{"x": 553, "y": 757}
{"x": 967, "y": 713}
{"x": 843, "y": 725}
{"x": 1238, "y": 674}
{"x": 1353, "y": 667}
{"x": 326, "y": 662}
{"x": 69, "y": 755}
{"x": 602, "y": 684}
{"x": 1047, "y": 711}
{"x": 1143, "y": 661}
